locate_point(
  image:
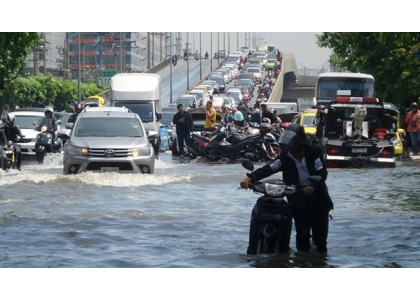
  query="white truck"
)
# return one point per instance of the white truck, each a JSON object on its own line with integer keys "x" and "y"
{"x": 262, "y": 48}
{"x": 141, "y": 93}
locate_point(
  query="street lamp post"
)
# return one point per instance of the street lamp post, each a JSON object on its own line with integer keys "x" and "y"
{"x": 201, "y": 76}
{"x": 79, "y": 91}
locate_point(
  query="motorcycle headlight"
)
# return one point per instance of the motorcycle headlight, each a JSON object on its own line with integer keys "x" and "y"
{"x": 274, "y": 190}
{"x": 44, "y": 129}
{"x": 76, "y": 151}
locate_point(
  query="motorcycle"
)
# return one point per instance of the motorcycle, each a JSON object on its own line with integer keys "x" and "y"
{"x": 271, "y": 218}
{"x": 197, "y": 57}
{"x": 185, "y": 57}
{"x": 198, "y": 145}
{"x": 241, "y": 145}
{"x": 44, "y": 140}
{"x": 174, "y": 61}
{"x": 11, "y": 157}
{"x": 206, "y": 56}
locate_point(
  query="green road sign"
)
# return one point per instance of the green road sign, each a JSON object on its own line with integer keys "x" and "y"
{"x": 107, "y": 73}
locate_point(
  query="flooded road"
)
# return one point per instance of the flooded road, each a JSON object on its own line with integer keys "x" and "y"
{"x": 191, "y": 214}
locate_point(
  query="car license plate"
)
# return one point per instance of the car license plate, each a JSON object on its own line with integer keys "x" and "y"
{"x": 359, "y": 150}
{"x": 109, "y": 169}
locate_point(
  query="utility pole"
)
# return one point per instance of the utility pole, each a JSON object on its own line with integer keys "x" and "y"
{"x": 148, "y": 52}
{"x": 121, "y": 52}
{"x": 79, "y": 92}
{"x": 201, "y": 76}
{"x": 36, "y": 61}
{"x": 170, "y": 70}
{"x": 237, "y": 40}
{"x": 188, "y": 64}
{"x": 211, "y": 51}
{"x": 44, "y": 56}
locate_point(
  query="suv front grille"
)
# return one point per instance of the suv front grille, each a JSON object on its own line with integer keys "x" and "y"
{"x": 101, "y": 152}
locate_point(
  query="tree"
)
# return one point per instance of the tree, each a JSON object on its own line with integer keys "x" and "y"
{"x": 14, "y": 48}
{"x": 389, "y": 56}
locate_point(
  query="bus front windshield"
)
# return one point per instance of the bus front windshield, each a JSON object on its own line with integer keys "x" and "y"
{"x": 331, "y": 87}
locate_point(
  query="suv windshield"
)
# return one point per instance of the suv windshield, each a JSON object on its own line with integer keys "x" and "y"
{"x": 107, "y": 127}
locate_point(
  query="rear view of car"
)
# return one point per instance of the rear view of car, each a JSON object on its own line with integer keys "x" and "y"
{"x": 107, "y": 140}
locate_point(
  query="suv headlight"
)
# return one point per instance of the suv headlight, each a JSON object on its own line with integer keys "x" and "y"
{"x": 76, "y": 151}
{"x": 143, "y": 151}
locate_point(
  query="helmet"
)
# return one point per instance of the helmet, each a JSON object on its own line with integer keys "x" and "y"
{"x": 321, "y": 107}
{"x": 78, "y": 108}
{"x": 414, "y": 104}
{"x": 10, "y": 119}
{"x": 293, "y": 136}
{"x": 48, "y": 108}
{"x": 266, "y": 120}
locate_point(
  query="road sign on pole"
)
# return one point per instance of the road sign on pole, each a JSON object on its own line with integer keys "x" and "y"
{"x": 104, "y": 77}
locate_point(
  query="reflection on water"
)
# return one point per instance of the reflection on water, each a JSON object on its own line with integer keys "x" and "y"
{"x": 192, "y": 214}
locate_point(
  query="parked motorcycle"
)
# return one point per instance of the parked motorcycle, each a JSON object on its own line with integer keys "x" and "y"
{"x": 242, "y": 145}
{"x": 44, "y": 140}
{"x": 198, "y": 145}
{"x": 271, "y": 218}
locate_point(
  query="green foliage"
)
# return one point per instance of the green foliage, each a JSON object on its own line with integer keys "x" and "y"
{"x": 22, "y": 91}
{"x": 14, "y": 48}
{"x": 388, "y": 56}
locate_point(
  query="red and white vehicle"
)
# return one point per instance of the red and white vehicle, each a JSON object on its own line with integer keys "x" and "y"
{"x": 357, "y": 134}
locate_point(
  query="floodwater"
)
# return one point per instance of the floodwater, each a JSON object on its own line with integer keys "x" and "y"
{"x": 191, "y": 214}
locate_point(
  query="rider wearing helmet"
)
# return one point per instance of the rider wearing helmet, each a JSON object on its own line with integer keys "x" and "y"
{"x": 312, "y": 204}
{"x": 412, "y": 122}
{"x": 52, "y": 128}
{"x": 11, "y": 130}
{"x": 12, "y": 133}
{"x": 78, "y": 109}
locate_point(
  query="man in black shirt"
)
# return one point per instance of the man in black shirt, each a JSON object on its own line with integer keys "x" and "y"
{"x": 267, "y": 114}
{"x": 184, "y": 126}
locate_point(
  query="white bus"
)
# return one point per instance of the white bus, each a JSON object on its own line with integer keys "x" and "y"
{"x": 331, "y": 85}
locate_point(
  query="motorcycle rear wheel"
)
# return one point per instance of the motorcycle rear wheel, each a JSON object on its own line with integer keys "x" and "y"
{"x": 212, "y": 154}
{"x": 273, "y": 152}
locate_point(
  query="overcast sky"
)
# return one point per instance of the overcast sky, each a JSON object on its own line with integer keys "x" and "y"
{"x": 301, "y": 44}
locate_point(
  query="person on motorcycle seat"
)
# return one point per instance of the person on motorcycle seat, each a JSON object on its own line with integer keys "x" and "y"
{"x": 11, "y": 130}
{"x": 174, "y": 58}
{"x": 77, "y": 110}
{"x": 311, "y": 204}
{"x": 49, "y": 114}
{"x": 12, "y": 133}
